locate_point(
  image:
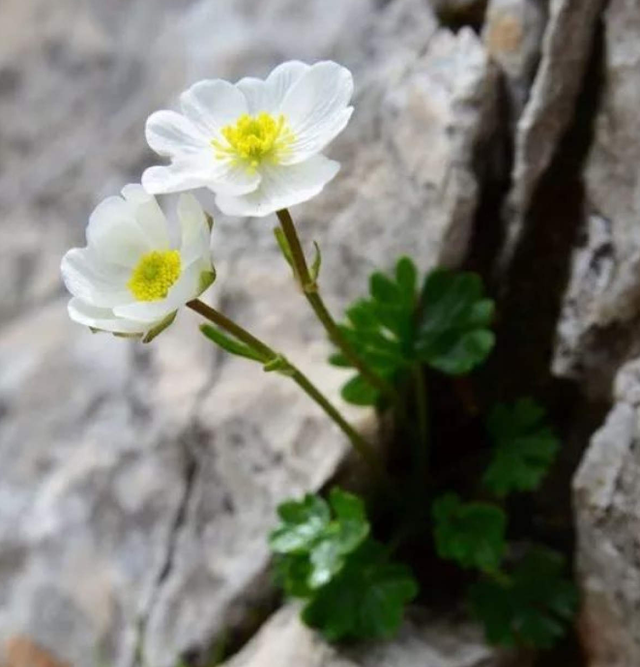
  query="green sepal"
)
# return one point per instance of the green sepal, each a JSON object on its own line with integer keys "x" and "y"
{"x": 206, "y": 280}
{"x": 159, "y": 328}
{"x": 209, "y": 219}
{"x": 229, "y": 344}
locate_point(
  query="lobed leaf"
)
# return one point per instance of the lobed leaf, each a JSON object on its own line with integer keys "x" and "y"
{"x": 472, "y": 534}
{"x": 531, "y": 606}
{"x": 380, "y": 329}
{"x": 524, "y": 447}
{"x": 319, "y": 536}
{"x": 365, "y": 601}
{"x": 454, "y": 333}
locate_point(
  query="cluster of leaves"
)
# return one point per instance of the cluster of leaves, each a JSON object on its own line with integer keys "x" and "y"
{"x": 444, "y": 325}
{"x": 327, "y": 557}
{"x": 531, "y": 604}
{"x": 326, "y": 554}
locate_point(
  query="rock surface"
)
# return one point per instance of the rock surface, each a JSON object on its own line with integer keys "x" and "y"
{"x": 550, "y": 106}
{"x": 608, "y": 514}
{"x": 137, "y": 483}
{"x": 602, "y": 306}
{"x": 286, "y": 642}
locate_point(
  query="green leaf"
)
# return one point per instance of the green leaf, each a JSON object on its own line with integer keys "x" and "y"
{"x": 472, "y": 534}
{"x": 453, "y": 332}
{"x": 323, "y": 533}
{"x": 230, "y": 344}
{"x": 524, "y": 448}
{"x": 292, "y": 573}
{"x": 365, "y": 601}
{"x": 359, "y": 392}
{"x": 302, "y": 523}
{"x": 381, "y": 329}
{"x": 531, "y": 606}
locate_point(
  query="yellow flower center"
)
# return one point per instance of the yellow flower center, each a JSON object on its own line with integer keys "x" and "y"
{"x": 254, "y": 139}
{"x": 154, "y": 275}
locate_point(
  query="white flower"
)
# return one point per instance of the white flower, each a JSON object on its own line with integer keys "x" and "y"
{"x": 256, "y": 144}
{"x": 129, "y": 280}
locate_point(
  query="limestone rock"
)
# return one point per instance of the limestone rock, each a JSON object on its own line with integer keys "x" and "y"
{"x": 551, "y": 103}
{"x": 512, "y": 33}
{"x": 137, "y": 483}
{"x": 607, "y": 506}
{"x": 598, "y": 328}
{"x": 286, "y": 642}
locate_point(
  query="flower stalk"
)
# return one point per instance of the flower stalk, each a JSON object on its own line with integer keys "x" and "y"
{"x": 269, "y": 356}
{"x": 311, "y": 292}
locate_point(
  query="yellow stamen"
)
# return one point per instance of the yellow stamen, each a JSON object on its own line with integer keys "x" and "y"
{"x": 254, "y": 139}
{"x": 154, "y": 275}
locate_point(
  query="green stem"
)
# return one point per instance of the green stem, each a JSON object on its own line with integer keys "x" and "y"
{"x": 359, "y": 443}
{"x": 422, "y": 409}
{"x": 310, "y": 290}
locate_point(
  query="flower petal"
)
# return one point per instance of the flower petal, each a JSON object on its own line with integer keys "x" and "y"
{"x": 102, "y": 318}
{"x": 114, "y": 234}
{"x": 268, "y": 95}
{"x": 281, "y": 187}
{"x": 196, "y": 237}
{"x": 199, "y": 171}
{"x": 170, "y": 133}
{"x": 86, "y": 277}
{"x": 212, "y": 104}
{"x": 148, "y": 215}
{"x": 181, "y": 174}
{"x": 315, "y": 108}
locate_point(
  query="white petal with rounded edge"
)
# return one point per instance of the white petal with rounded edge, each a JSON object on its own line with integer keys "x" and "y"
{"x": 86, "y": 277}
{"x": 181, "y": 174}
{"x": 102, "y": 318}
{"x": 200, "y": 171}
{"x": 187, "y": 287}
{"x": 212, "y": 104}
{"x": 148, "y": 215}
{"x": 281, "y": 187}
{"x": 268, "y": 95}
{"x": 316, "y": 108}
{"x": 196, "y": 236}
{"x": 114, "y": 234}
{"x": 170, "y": 133}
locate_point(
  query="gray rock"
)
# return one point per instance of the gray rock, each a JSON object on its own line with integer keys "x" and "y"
{"x": 607, "y": 506}
{"x": 598, "y": 328}
{"x": 137, "y": 483}
{"x": 566, "y": 48}
{"x": 286, "y": 642}
{"x": 512, "y": 34}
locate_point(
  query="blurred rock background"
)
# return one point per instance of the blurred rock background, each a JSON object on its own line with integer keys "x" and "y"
{"x": 136, "y": 483}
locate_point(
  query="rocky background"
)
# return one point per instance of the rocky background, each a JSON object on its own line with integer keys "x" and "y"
{"x": 136, "y": 483}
